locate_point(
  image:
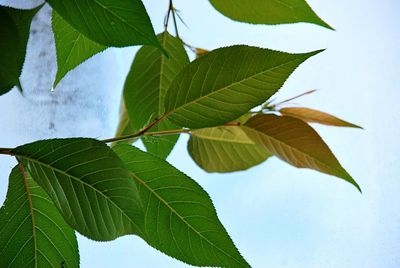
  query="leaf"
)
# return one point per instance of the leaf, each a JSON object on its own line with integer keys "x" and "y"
{"x": 124, "y": 126}
{"x": 224, "y": 149}
{"x": 72, "y": 47}
{"x": 268, "y": 11}
{"x": 226, "y": 83}
{"x": 115, "y": 23}
{"x": 314, "y": 116}
{"x": 145, "y": 87}
{"x": 295, "y": 142}
{"x": 14, "y": 33}
{"x": 162, "y": 145}
{"x": 180, "y": 219}
{"x": 32, "y": 231}
{"x": 88, "y": 183}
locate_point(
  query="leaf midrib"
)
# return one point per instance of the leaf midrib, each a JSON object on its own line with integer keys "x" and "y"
{"x": 180, "y": 217}
{"x": 258, "y": 132}
{"x": 176, "y": 108}
{"x": 31, "y": 213}
{"x": 83, "y": 182}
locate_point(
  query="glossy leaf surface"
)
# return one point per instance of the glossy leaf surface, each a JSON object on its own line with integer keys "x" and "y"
{"x": 14, "y": 32}
{"x": 115, "y": 23}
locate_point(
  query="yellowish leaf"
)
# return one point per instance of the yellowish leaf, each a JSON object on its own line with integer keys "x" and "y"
{"x": 314, "y": 116}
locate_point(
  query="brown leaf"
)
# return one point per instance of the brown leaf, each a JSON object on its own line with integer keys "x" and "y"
{"x": 295, "y": 142}
{"x": 314, "y": 116}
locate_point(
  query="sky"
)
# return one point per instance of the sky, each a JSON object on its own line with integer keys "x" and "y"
{"x": 277, "y": 215}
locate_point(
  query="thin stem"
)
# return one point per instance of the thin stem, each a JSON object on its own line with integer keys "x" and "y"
{"x": 5, "y": 151}
{"x": 154, "y": 133}
{"x": 174, "y": 19}
{"x": 192, "y": 48}
{"x": 295, "y": 97}
{"x": 166, "y": 20}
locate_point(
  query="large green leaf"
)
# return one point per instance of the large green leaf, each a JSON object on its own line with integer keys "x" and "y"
{"x": 295, "y": 142}
{"x": 180, "y": 219}
{"x": 226, "y": 83}
{"x": 88, "y": 183}
{"x": 314, "y": 116}
{"x": 145, "y": 87}
{"x": 115, "y": 23}
{"x": 268, "y": 11}
{"x": 225, "y": 149}
{"x": 72, "y": 47}
{"x": 32, "y": 231}
{"x": 14, "y": 33}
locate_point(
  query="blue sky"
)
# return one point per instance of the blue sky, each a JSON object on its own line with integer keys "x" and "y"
{"x": 277, "y": 215}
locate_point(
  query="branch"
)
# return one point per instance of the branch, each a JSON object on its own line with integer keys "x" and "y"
{"x": 5, "y": 151}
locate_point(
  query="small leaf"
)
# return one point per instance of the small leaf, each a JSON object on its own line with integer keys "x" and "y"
{"x": 115, "y": 23}
{"x": 32, "y": 231}
{"x": 72, "y": 47}
{"x": 295, "y": 142}
{"x": 14, "y": 33}
{"x": 268, "y": 11}
{"x": 314, "y": 116}
{"x": 180, "y": 219}
{"x": 225, "y": 149}
{"x": 226, "y": 83}
{"x": 145, "y": 87}
{"x": 88, "y": 183}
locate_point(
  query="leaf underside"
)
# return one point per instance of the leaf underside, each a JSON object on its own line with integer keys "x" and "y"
{"x": 88, "y": 183}
{"x": 209, "y": 92}
{"x": 268, "y": 11}
{"x": 314, "y": 116}
{"x": 145, "y": 87}
{"x": 225, "y": 149}
{"x": 295, "y": 142}
{"x": 32, "y": 231}
{"x": 72, "y": 47}
{"x": 180, "y": 219}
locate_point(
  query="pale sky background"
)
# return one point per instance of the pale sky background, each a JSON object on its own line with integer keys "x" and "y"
{"x": 277, "y": 215}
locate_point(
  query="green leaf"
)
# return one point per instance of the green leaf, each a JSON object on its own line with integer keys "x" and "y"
{"x": 115, "y": 23}
{"x": 88, "y": 183}
{"x": 225, "y": 149}
{"x": 32, "y": 231}
{"x": 226, "y": 83}
{"x": 145, "y": 87}
{"x": 72, "y": 47}
{"x": 268, "y": 11}
{"x": 124, "y": 126}
{"x": 314, "y": 116}
{"x": 295, "y": 142}
{"x": 180, "y": 219}
{"x": 14, "y": 33}
{"x": 161, "y": 146}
